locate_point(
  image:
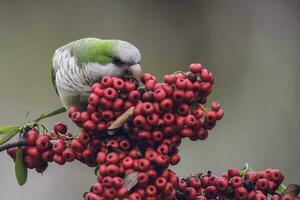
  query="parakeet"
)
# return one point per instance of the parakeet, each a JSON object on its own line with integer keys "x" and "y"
{"x": 79, "y": 64}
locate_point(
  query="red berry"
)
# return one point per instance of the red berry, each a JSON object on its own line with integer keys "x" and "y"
{"x": 97, "y": 188}
{"x": 106, "y": 81}
{"x": 151, "y": 191}
{"x": 168, "y": 118}
{"x": 166, "y": 104}
{"x": 95, "y": 117}
{"x": 118, "y": 182}
{"x": 112, "y": 170}
{"x": 47, "y": 156}
{"x": 202, "y": 134}
{"x": 210, "y": 116}
{"x": 262, "y": 184}
{"x": 42, "y": 143}
{"x": 84, "y": 116}
{"x": 261, "y": 175}
{"x": 180, "y": 83}
{"x": 195, "y": 68}
{"x": 60, "y": 128}
{"x": 236, "y": 182}
{"x": 59, "y": 146}
{"x": 117, "y": 104}
{"x": 129, "y": 86}
{"x": 204, "y": 75}
{"x": 142, "y": 178}
{"x": 139, "y": 121}
{"x": 261, "y": 196}
{"x": 220, "y": 114}
{"x": 94, "y": 99}
{"x": 183, "y": 109}
{"x": 89, "y": 125}
{"x": 222, "y": 184}
{"x": 99, "y": 91}
{"x": 232, "y": 172}
{"x": 160, "y": 183}
{"x": 251, "y": 176}
{"x": 59, "y": 159}
{"x": 110, "y": 93}
{"x": 76, "y": 145}
{"x": 150, "y": 84}
{"x": 112, "y": 158}
{"x": 107, "y": 115}
{"x": 33, "y": 152}
{"x": 161, "y": 160}
{"x": 211, "y": 192}
{"x": 159, "y": 95}
{"x": 146, "y": 77}
{"x": 105, "y": 103}
{"x": 31, "y": 136}
{"x": 134, "y": 96}
{"x": 194, "y": 182}
{"x": 190, "y": 193}
{"x": 276, "y": 176}
{"x": 186, "y": 132}
{"x": 84, "y": 137}
{"x": 147, "y": 108}
{"x": 241, "y": 193}
{"x": 68, "y": 155}
{"x": 170, "y": 79}
{"x": 118, "y": 83}
{"x": 29, "y": 162}
{"x": 178, "y": 95}
{"x": 190, "y": 120}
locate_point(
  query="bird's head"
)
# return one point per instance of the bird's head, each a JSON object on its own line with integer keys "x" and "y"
{"x": 111, "y": 58}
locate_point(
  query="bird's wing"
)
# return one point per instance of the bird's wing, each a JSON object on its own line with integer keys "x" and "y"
{"x": 63, "y": 56}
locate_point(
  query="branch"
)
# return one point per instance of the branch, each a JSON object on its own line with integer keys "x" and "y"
{"x": 19, "y": 143}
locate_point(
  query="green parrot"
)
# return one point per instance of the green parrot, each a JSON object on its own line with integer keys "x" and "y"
{"x": 79, "y": 64}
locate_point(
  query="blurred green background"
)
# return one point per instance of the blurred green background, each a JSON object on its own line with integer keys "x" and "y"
{"x": 252, "y": 47}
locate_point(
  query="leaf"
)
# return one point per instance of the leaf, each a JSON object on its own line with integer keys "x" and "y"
{"x": 55, "y": 112}
{"x": 130, "y": 180}
{"x": 10, "y": 132}
{"x": 20, "y": 169}
{"x": 292, "y": 190}
{"x": 120, "y": 121}
{"x": 4, "y": 130}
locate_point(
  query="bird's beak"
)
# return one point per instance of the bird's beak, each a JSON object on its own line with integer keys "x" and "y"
{"x": 136, "y": 71}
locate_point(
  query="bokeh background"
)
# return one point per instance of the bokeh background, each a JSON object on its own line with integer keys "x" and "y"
{"x": 252, "y": 47}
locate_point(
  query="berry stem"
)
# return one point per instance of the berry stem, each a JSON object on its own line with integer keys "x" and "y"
{"x": 21, "y": 142}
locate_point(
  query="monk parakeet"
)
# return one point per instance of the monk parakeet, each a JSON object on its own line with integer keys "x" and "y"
{"x": 79, "y": 64}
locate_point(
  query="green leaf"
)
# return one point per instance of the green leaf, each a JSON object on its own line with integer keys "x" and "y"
{"x": 55, "y": 112}
{"x": 9, "y": 134}
{"x": 4, "y": 130}
{"x": 20, "y": 169}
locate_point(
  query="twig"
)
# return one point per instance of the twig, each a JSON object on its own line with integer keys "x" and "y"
{"x": 19, "y": 143}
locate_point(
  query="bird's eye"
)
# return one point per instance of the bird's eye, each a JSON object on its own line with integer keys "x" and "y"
{"x": 117, "y": 61}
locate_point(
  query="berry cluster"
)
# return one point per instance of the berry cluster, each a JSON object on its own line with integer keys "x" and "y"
{"x": 124, "y": 173}
{"x": 109, "y": 98}
{"x": 44, "y": 148}
{"x": 132, "y": 163}
{"x": 233, "y": 184}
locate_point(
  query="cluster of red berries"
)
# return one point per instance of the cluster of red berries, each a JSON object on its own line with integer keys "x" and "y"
{"x": 174, "y": 107}
{"x": 124, "y": 173}
{"x": 233, "y": 185}
{"x": 41, "y": 148}
{"x": 132, "y": 164}
{"x": 109, "y": 98}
